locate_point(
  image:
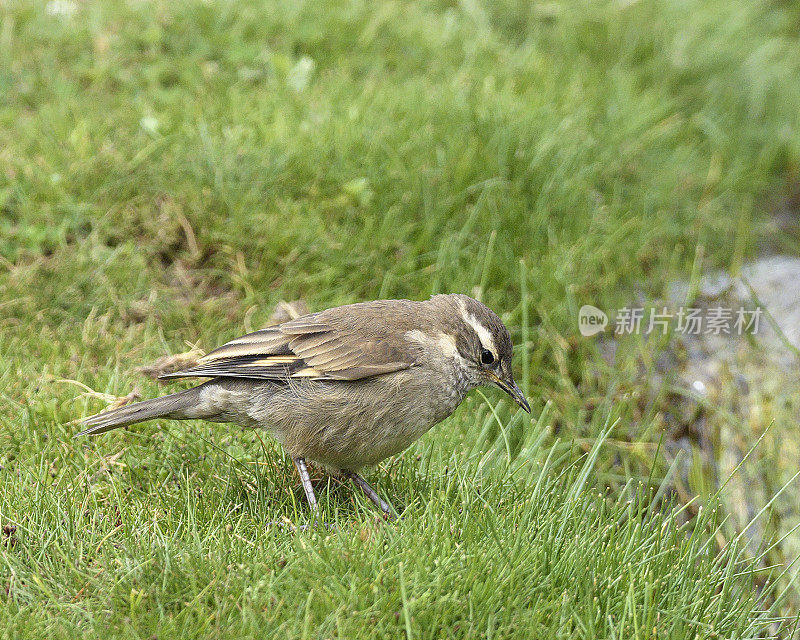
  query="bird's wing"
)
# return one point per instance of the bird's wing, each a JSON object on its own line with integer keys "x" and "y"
{"x": 316, "y": 346}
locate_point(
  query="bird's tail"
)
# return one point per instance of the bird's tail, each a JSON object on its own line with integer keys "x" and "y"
{"x": 171, "y": 406}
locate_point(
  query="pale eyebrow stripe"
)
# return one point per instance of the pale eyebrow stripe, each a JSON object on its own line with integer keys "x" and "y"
{"x": 484, "y": 335}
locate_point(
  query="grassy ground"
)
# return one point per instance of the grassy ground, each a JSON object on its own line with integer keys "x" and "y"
{"x": 169, "y": 171}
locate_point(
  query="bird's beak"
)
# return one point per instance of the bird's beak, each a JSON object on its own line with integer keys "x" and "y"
{"x": 513, "y": 390}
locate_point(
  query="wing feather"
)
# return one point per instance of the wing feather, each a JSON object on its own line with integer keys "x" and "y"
{"x": 330, "y": 345}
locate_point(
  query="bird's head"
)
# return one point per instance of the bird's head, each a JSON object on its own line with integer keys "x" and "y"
{"x": 482, "y": 344}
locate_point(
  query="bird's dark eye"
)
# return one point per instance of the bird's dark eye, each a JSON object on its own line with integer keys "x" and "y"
{"x": 487, "y": 357}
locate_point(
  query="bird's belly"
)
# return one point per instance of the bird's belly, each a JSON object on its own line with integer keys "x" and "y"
{"x": 351, "y": 425}
{"x": 351, "y": 439}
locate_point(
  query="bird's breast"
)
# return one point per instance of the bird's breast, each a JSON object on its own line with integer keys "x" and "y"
{"x": 347, "y": 425}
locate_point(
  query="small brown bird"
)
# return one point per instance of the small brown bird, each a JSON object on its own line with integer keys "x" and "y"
{"x": 346, "y": 387}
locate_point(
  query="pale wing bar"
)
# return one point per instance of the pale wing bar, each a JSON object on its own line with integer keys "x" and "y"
{"x": 257, "y": 367}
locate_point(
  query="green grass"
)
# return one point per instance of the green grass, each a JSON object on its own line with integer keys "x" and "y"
{"x": 169, "y": 171}
{"x": 484, "y": 550}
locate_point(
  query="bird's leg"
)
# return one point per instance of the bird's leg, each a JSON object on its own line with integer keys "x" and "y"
{"x": 362, "y": 484}
{"x": 305, "y": 480}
